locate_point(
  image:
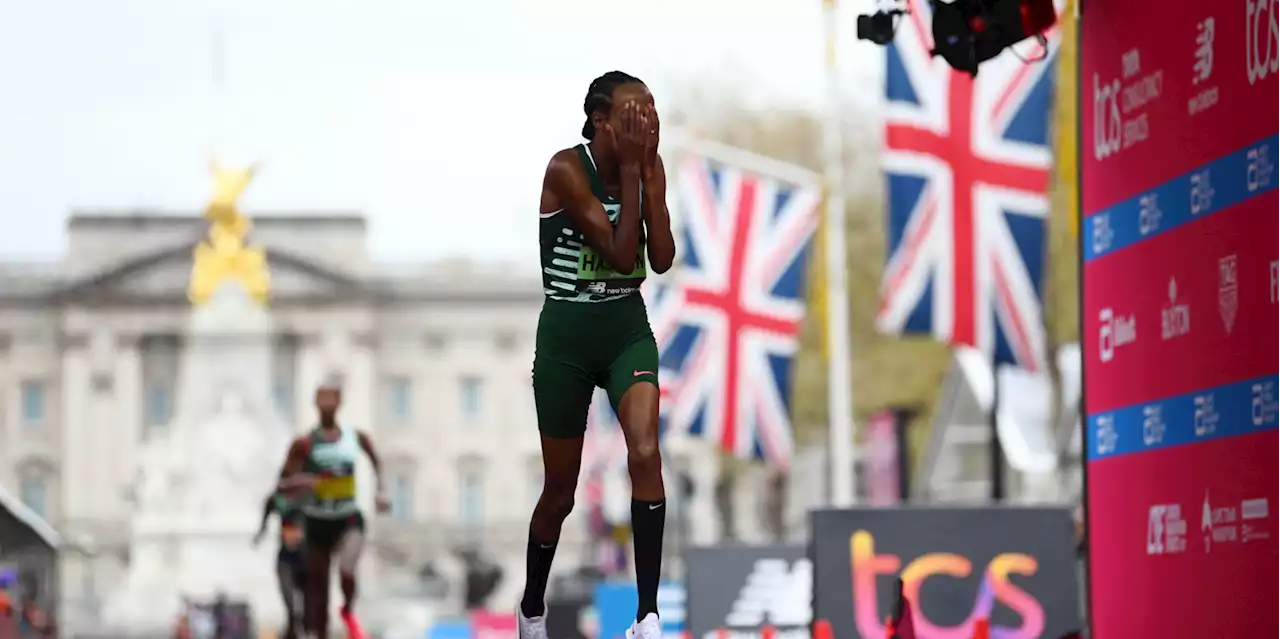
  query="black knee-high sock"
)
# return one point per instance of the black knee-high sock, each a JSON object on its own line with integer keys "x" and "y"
{"x": 648, "y": 518}
{"x": 348, "y": 583}
{"x": 537, "y": 567}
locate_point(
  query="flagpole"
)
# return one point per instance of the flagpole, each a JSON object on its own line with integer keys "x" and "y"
{"x": 840, "y": 367}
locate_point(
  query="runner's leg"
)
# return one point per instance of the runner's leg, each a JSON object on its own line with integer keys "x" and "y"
{"x": 633, "y": 391}
{"x": 288, "y": 595}
{"x": 563, "y": 382}
{"x": 316, "y": 592}
{"x": 348, "y": 556}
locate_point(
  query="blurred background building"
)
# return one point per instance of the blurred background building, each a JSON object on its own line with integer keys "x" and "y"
{"x": 436, "y": 361}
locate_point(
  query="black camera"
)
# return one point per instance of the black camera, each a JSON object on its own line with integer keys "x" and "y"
{"x": 878, "y": 27}
{"x": 967, "y": 33}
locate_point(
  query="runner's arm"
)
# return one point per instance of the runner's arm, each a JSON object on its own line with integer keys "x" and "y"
{"x": 566, "y": 187}
{"x": 657, "y": 220}
{"x": 267, "y": 509}
{"x": 291, "y": 476}
{"x": 367, "y": 445}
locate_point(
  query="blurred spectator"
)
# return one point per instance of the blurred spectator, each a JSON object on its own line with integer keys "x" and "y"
{"x": 8, "y": 620}
{"x": 221, "y": 617}
{"x": 1080, "y": 532}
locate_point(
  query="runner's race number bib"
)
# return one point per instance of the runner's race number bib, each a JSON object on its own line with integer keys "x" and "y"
{"x": 336, "y": 488}
{"x": 596, "y": 276}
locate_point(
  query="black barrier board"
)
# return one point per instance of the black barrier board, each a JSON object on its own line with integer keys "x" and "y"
{"x": 564, "y": 617}
{"x": 744, "y": 588}
{"x": 1014, "y": 566}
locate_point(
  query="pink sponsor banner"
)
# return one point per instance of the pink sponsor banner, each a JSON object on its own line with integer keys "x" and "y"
{"x": 1179, "y": 170}
{"x": 1168, "y": 85}
{"x": 1183, "y": 544}
{"x": 1193, "y": 308}
{"x": 493, "y": 625}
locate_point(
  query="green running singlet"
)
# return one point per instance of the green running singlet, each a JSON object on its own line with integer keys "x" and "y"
{"x": 593, "y": 329}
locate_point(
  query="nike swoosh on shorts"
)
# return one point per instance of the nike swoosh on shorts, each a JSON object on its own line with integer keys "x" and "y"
{"x": 639, "y": 373}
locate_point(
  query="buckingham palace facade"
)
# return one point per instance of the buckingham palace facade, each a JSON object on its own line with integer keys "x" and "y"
{"x": 435, "y": 359}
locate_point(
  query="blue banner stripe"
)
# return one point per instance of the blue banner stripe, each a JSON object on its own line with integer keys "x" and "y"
{"x": 1226, "y": 411}
{"x": 1218, "y": 185}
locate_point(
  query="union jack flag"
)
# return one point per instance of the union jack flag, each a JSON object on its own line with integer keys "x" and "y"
{"x": 730, "y": 327}
{"x": 967, "y": 161}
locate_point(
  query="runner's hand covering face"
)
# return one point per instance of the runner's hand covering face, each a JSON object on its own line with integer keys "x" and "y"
{"x": 634, "y": 134}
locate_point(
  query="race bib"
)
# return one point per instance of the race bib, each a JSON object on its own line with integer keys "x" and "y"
{"x": 596, "y": 276}
{"x": 336, "y": 488}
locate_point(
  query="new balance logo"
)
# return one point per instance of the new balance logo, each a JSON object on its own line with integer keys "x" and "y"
{"x": 776, "y": 593}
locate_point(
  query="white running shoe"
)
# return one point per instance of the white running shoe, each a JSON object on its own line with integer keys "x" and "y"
{"x": 531, "y": 628}
{"x": 647, "y": 628}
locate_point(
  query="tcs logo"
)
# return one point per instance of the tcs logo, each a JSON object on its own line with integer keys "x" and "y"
{"x": 1262, "y": 53}
{"x": 868, "y": 566}
{"x": 1108, "y": 125}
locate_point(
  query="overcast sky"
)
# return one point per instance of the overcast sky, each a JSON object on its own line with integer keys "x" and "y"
{"x": 434, "y": 119}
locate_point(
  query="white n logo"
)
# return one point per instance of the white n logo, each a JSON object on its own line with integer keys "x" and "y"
{"x": 774, "y": 593}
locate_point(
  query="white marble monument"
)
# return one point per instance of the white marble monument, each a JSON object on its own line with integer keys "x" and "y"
{"x": 204, "y": 479}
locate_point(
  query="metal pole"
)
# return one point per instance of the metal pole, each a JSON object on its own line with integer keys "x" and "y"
{"x": 997, "y": 453}
{"x": 901, "y": 422}
{"x": 840, "y": 371}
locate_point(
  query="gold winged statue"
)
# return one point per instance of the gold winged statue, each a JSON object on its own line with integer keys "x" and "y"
{"x": 225, "y": 253}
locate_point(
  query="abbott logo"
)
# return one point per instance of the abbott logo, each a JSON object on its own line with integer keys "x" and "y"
{"x": 1261, "y": 55}
{"x": 1113, "y": 332}
{"x": 1108, "y": 126}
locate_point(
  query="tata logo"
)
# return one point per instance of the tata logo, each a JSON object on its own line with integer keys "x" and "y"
{"x": 1108, "y": 125}
{"x": 1260, "y": 39}
{"x": 1114, "y": 331}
